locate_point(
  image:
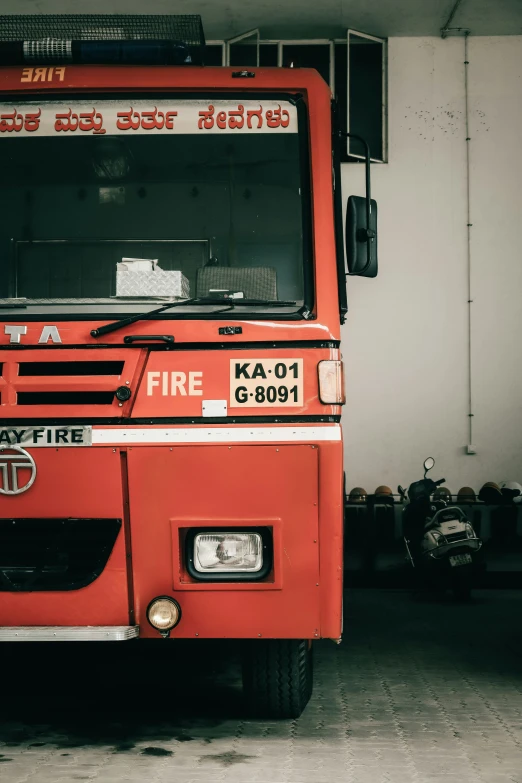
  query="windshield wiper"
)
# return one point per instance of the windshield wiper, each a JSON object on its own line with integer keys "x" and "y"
{"x": 13, "y": 306}
{"x": 230, "y": 305}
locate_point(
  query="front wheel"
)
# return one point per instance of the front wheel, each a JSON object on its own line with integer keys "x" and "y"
{"x": 277, "y": 677}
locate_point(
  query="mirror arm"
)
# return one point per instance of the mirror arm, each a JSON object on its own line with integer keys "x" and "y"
{"x": 367, "y": 232}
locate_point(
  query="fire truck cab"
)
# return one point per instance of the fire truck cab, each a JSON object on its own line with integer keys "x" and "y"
{"x": 171, "y": 292}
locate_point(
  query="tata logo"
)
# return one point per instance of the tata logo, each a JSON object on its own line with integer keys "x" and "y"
{"x": 17, "y": 470}
{"x": 16, "y": 331}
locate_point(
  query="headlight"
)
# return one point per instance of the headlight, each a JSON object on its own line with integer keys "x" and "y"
{"x": 163, "y": 613}
{"x": 469, "y": 531}
{"x": 228, "y": 552}
{"x": 214, "y": 554}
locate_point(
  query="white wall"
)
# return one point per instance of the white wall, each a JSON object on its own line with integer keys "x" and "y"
{"x": 405, "y": 343}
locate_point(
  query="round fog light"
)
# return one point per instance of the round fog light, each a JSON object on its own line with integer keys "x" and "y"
{"x": 123, "y": 393}
{"x": 163, "y": 613}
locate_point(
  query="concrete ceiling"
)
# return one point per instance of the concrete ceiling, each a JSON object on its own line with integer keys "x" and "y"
{"x": 307, "y": 18}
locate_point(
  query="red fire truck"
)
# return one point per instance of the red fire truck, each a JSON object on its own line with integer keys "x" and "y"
{"x": 172, "y": 287}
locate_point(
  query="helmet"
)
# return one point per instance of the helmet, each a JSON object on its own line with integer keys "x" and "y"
{"x": 511, "y": 490}
{"x": 357, "y": 495}
{"x": 383, "y": 495}
{"x": 466, "y": 495}
{"x": 383, "y": 490}
{"x": 442, "y": 493}
{"x": 490, "y": 493}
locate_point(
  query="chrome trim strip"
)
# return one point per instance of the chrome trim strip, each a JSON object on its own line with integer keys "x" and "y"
{"x": 237, "y": 434}
{"x": 58, "y": 633}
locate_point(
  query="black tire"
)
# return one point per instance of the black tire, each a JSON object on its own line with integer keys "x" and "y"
{"x": 462, "y": 584}
{"x": 277, "y": 677}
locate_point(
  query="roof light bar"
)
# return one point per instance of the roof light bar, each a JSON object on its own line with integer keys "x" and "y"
{"x": 101, "y": 39}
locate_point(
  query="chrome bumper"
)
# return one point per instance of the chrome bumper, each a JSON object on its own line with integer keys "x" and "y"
{"x": 472, "y": 544}
{"x": 54, "y": 633}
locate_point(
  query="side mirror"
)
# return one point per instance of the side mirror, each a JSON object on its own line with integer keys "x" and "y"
{"x": 361, "y": 225}
{"x": 429, "y": 462}
{"x": 361, "y": 238}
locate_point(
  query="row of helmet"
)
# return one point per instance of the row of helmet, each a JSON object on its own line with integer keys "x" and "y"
{"x": 490, "y": 493}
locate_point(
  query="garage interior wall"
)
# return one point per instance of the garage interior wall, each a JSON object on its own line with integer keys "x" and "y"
{"x": 405, "y": 342}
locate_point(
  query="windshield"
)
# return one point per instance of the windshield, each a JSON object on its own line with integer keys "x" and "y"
{"x": 108, "y": 207}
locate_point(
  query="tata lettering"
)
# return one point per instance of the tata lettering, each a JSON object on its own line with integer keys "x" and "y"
{"x": 48, "y": 334}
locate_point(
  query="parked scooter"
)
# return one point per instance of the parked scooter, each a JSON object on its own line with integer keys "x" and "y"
{"x": 440, "y": 541}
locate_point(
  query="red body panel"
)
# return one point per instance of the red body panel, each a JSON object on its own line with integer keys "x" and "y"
{"x": 213, "y": 376}
{"x": 87, "y": 483}
{"x": 292, "y": 487}
{"x": 200, "y": 486}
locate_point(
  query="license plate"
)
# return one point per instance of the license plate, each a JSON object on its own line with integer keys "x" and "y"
{"x": 45, "y": 436}
{"x": 267, "y": 383}
{"x": 457, "y": 560}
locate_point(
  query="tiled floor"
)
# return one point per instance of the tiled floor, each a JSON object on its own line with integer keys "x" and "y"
{"x": 422, "y": 689}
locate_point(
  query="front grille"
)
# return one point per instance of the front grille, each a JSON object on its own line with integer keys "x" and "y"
{"x": 56, "y": 382}
{"x": 54, "y": 554}
{"x": 51, "y": 369}
{"x": 65, "y": 398}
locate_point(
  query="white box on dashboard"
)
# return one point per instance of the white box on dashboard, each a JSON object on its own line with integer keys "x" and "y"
{"x": 143, "y": 277}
